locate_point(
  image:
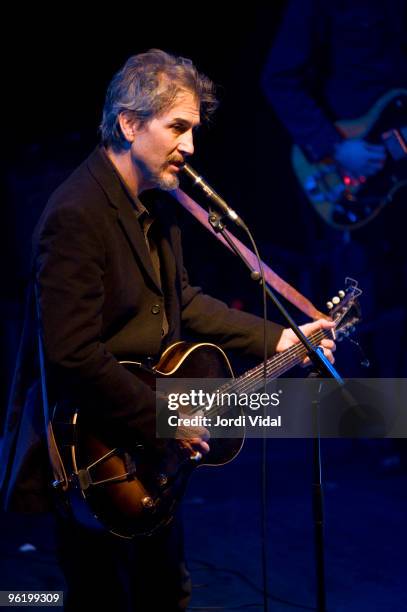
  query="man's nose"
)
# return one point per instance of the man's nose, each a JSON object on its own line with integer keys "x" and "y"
{"x": 186, "y": 145}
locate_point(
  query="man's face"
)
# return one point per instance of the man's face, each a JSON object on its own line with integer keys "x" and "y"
{"x": 162, "y": 145}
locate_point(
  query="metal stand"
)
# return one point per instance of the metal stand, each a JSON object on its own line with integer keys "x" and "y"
{"x": 324, "y": 369}
{"x": 318, "y": 508}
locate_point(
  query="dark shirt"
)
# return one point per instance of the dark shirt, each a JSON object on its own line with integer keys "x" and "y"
{"x": 332, "y": 60}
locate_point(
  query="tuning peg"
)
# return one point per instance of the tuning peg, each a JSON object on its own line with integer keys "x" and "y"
{"x": 329, "y": 305}
{"x": 341, "y": 294}
{"x": 336, "y": 300}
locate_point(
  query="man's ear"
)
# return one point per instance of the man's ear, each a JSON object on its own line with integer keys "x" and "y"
{"x": 128, "y": 125}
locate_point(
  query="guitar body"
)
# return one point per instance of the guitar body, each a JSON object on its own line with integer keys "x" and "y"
{"x": 344, "y": 202}
{"x": 142, "y": 488}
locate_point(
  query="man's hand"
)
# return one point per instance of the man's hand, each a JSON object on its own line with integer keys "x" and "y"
{"x": 192, "y": 439}
{"x": 360, "y": 158}
{"x": 288, "y": 338}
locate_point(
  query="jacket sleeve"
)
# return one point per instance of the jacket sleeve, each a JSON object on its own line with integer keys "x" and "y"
{"x": 288, "y": 77}
{"x": 232, "y": 329}
{"x": 69, "y": 256}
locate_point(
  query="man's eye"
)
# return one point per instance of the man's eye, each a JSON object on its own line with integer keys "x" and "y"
{"x": 178, "y": 127}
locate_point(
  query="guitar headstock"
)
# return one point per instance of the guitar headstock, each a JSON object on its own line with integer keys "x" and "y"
{"x": 344, "y": 308}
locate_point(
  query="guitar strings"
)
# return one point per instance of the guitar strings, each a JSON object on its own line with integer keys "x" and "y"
{"x": 254, "y": 379}
{"x": 276, "y": 366}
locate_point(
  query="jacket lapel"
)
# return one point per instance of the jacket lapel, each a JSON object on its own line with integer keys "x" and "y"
{"x": 168, "y": 275}
{"x": 105, "y": 175}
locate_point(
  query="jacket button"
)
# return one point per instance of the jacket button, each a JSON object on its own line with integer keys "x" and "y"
{"x": 156, "y": 309}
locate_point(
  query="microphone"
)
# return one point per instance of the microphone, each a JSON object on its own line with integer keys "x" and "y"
{"x": 212, "y": 195}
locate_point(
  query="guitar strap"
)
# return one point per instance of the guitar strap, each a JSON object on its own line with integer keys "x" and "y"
{"x": 280, "y": 285}
{"x": 57, "y": 465}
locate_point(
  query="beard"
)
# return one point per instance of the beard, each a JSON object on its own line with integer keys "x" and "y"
{"x": 161, "y": 178}
{"x": 166, "y": 182}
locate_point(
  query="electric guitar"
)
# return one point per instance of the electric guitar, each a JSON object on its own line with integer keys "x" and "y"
{"x": 133, "y": 491}
{"x": 346, "y": 202}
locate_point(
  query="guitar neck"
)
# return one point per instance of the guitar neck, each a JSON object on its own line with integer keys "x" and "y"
{"x": 276, "y": 366}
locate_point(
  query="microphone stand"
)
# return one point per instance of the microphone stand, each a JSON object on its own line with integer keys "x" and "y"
{"x": 324, "y": 369}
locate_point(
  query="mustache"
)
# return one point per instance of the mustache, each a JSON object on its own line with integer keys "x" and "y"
{"x": 176, "y": 161}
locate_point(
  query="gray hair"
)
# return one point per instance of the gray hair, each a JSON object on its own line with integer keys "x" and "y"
{"x": 147, "y": 86}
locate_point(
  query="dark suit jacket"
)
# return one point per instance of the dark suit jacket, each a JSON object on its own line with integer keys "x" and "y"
{"x": 100, "y": 301}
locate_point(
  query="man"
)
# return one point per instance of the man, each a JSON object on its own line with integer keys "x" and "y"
{"x": 111, "y": 284}
{"x": 332, "y": 61}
